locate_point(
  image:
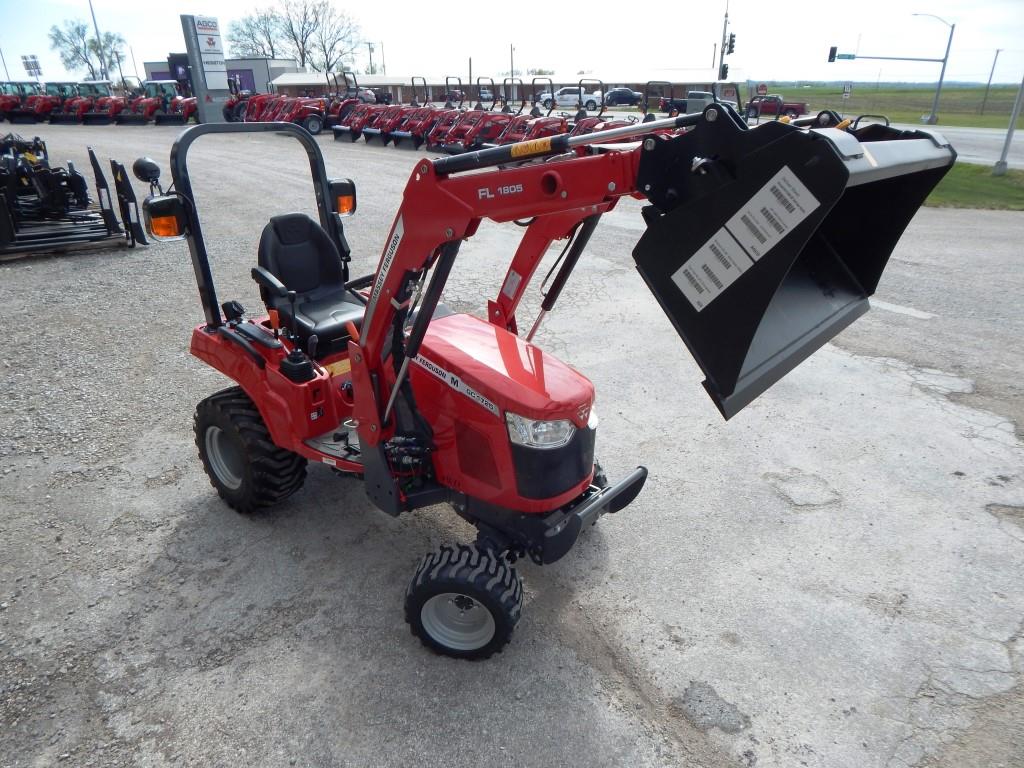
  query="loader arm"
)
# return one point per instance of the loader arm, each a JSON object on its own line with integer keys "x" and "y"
{"x": 756, "y": 247}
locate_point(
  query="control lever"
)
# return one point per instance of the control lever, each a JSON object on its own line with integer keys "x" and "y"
{"x": 311, "y": 344}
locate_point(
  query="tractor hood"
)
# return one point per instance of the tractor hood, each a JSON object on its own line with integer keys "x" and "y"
{"x": 763, "y": 244}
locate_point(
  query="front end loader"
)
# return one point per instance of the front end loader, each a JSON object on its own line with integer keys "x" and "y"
{"x": 756, "y": 246}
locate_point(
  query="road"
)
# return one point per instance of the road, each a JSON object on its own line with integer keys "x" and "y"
{"x": 980, "y": 145}
{"x": 834, "y": 578}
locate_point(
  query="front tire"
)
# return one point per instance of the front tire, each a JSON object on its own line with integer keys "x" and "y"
{"x": 242, "y": 462}
{"x": 464, "y": 602}
{"x": 591, "y": 106}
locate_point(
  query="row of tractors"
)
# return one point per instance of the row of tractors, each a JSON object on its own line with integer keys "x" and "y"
{"x": 94, "y": 102}
{"x": 454, "y": 128}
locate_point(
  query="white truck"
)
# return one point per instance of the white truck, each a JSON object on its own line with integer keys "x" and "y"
{"x": 571, "y": 96}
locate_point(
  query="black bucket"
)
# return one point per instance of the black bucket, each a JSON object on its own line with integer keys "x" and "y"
{"x": 763, "y": 244}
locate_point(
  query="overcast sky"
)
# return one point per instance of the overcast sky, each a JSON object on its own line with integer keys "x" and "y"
{"x": 782, "y": 40}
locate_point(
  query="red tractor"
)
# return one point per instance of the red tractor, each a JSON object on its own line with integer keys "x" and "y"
{"x": 535, "y": 124}
{"x": 376, "y": 379}
{"x": 479, "y": 126}
{"x": 89, "y": 94}
{"x": 14, "y": 98}
{"x": 344, "y": 100}
{"x": 307, "y": 111}
{"x": 38, "y": 106}
{"x": 161, "y": 102}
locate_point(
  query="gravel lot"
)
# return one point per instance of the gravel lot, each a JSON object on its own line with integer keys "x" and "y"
{"x": 835, "y": 578}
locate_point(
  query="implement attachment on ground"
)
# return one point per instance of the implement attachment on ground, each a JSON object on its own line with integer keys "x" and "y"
{"x": 763, "y": 244}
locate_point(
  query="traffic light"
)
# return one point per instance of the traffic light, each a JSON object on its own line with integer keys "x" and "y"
{"x": 832, "y": 52}
{"x": 723, "y": 72}
{"x": 732, "y": 43}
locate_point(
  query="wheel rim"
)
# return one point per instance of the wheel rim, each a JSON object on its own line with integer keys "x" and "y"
{"x": 225, "y": 457}
{"x": 457, "y": 621}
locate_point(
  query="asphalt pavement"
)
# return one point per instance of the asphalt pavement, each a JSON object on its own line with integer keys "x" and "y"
{"x": 834, "y": 578}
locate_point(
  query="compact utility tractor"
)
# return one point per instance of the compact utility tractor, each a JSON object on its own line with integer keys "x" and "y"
{"x": 755, "y": 247}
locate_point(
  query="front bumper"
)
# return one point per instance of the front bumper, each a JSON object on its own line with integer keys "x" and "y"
{"x": 548, "y": 538}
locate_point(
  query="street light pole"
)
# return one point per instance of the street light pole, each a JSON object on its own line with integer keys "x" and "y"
{"x": 988, "y": 85}
{"x": 99, "y": 43}
{"x": 933, "y": 118}
{"x": 1000, "y": 167}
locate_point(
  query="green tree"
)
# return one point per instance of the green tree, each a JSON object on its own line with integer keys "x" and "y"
{"x": 109, "y": 50}
{"x": 74, "y": 47}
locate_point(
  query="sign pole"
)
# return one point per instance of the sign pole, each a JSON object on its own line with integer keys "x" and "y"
{"x": 209, "y": 73}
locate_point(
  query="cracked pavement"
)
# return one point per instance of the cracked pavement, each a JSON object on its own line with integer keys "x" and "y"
{"x": 834, "y": 578}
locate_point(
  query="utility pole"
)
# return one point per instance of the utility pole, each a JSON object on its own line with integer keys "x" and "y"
{"x": 933, "y": 118}
{"x": 511, "y": 71}
{"x": 989, "y": 83}
{"x": 369, "y": 47}
{"x": 714, "y": 52}
{"x": 383, "y": 66}
{"x": 99, "y": 44}
{"x": 6, "y": 73}
{"x": 1000, "y": 168}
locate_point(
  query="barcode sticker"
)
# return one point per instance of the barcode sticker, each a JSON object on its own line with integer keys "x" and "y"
{"x": 778, "y": 207}
{"x": 712, "y": 269}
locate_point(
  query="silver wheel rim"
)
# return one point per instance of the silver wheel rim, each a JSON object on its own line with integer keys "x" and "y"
{"x": 225, "y": 458}
{"x": 457, "y": 621}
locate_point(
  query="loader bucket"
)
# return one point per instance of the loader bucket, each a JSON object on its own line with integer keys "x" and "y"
{"x": 171, "y": 119}
{"x": 763, "y": 244}
{"x": 22, "y": 116}
{"x": 96, "y": 118}
{"x": 63, "y": 118}
{"x": 130, "y": 118}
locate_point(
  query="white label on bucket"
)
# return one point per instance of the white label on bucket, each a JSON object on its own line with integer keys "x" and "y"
{"x": 711, "y": 269}
{"x": 777, "y": 208}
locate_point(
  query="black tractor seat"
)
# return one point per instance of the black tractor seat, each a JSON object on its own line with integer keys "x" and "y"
{"x": 301, "y": 257}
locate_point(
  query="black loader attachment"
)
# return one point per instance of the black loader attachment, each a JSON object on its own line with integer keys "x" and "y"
{"x": 764, "y": 243}
{"x": 48, "y": 208}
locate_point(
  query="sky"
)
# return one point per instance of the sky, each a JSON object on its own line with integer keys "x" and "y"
{"x": 782, "y": 40}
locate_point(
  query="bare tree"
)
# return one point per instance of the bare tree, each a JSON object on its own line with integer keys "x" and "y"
{"x": 335, "y": 37}
{"x": 299, "y": 21}
{"x": 74, "y": 47}
{"x": 313, "y": 32}
{"x": 258, "y": 34}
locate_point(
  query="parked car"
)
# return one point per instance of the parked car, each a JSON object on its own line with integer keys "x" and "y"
{"x": 571, "y": 96}
{"x": 619, "y": 96}
{"x": 769, "y": 105}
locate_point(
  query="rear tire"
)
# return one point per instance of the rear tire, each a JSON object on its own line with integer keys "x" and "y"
{"x": 591, "y": 106}
{"x": 242, "y": 462}
{"x": 464, "y": 602}
{"x": 751, "y": 113}
{"x": 314, "y": 124}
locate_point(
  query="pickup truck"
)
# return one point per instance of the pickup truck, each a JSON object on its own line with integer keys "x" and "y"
{"x": 769, "y": 105}
{"x": 695, "y": 101}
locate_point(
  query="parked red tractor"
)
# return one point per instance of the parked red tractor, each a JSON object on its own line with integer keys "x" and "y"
{"x": 38, "y": 106}
{"x": 161, "y": 102}
{"x": 75, "y": 107}
{"x": 376, "y": 379}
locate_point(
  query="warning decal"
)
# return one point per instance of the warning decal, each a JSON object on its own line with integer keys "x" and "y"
{"x": 778, "y": 207}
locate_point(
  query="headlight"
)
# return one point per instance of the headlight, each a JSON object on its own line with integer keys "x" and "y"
{"x": 538, "y": 434}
